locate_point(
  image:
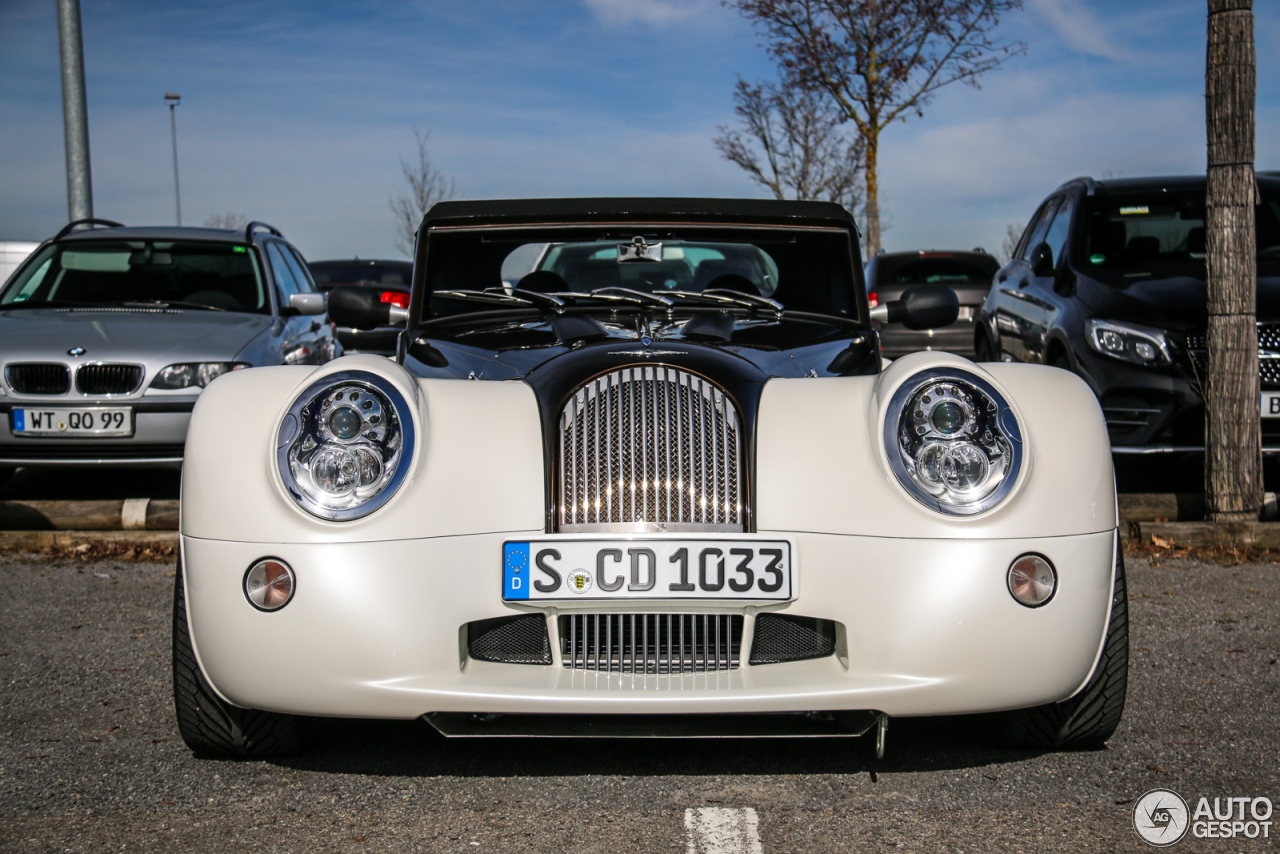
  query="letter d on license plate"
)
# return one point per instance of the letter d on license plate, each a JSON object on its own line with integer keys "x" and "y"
{"x": 647, "y": 569}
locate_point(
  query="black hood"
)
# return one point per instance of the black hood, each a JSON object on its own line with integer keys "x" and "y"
{"x": 1178, "y": 304}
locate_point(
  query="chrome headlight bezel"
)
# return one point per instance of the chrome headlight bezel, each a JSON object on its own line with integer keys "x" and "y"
{"x": 1123, "y": 341}
{"x": 298, "y": 424}
{"x": 978, "y": 400}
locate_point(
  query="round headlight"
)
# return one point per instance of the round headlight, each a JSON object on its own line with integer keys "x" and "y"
{"x": 345, "y": 445}
{"x": 952, "y": 441}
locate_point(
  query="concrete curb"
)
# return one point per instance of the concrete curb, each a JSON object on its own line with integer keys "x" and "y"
{"x": 1258, "y": 535}
{"x": 131, "y": 514}
{"x": 31, "y": 540}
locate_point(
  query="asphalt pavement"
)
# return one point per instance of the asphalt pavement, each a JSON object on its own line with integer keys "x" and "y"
{"x": 90, "y": 757}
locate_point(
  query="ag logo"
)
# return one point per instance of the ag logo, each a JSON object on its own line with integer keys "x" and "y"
{"x": 1161, "y": 817}
{"x": 579, "y": 581}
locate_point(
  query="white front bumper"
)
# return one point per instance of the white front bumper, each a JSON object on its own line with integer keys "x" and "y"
{"x": 378, "y": 630}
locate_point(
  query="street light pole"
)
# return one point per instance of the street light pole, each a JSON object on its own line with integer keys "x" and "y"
{"x": 173, "y": 99}
{"x": 75, "y": 116}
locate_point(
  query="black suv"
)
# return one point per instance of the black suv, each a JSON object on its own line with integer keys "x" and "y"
{"x": 390, "y": 278}
{"x": 1108, "y": 281}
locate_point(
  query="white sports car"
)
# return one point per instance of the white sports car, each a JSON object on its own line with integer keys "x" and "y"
{"x": 661, "y": 484}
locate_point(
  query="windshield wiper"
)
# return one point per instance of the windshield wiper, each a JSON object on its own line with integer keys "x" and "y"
{"x": 168, "y": 303}
{"x": 717, "y": 296}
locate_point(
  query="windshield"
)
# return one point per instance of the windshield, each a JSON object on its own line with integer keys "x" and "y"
{"x": 937, "y": 269}
{"x": 1161, "y": 234}
{"x": 212, "y": 275}
{"x": 804, "y": 270}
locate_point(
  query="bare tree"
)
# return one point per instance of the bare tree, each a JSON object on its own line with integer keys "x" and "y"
{"x": 881, "y": 61}
{"x": 226, "y": 220}
{"x": 1012, "y": 234}
{"x": 427, "y": 185}
{"x": 791, "y": 144}
{"x": 1233, "y": 438}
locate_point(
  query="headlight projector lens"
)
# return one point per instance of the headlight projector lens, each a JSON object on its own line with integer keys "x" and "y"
{"x": 1032, "y": 580}
{"x": 268, "y": 585}
{"x": 952, "y": 441}
{"x": 345, "y": 445}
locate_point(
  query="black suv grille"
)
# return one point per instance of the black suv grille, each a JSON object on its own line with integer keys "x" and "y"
{"x": 38, "y": 378}
{"x": 783, "y": 637}
{"x": 108, "y": 379}
{"x": 1268, "y": 342}
{"x": 510, "y": 640}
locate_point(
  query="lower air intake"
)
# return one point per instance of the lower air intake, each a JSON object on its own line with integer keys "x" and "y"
{"x": 651, "y": 643}
{"x": 781, "y": 638}
{"x": 510, "y": 640}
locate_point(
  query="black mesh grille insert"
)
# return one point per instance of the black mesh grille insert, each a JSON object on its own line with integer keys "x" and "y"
{"x": 108, "y": 379}
{"x": 38, "y": 378}
{"x": 510, "y": 640}
{"x": 783, "y": 637}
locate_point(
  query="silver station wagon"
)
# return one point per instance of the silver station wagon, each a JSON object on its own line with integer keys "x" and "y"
{"x": 109, "y": 334}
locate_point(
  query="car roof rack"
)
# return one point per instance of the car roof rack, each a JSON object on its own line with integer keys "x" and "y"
{"x": 255, "y": 225}
{"x": 69, "y": 227}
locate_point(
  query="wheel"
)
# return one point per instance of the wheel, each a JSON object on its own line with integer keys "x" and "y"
{"x": 982, "y": 349}
{"x": 1089, "y": 718}
{"x": 1061, "y": 360}
{"x": 209, "y": 726}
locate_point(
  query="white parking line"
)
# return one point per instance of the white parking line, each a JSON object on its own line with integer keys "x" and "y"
{"x": 720, "y": 830}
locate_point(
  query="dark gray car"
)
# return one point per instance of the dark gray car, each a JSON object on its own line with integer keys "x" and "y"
{"x": 969, "y": 274}
{"x": 108, "y": 334}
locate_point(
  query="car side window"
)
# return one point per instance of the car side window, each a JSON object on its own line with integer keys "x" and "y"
{"x": 299, "y": 269}
{"x": 1057, "y": 236}
{"x": 286, "y": 282}
{"x": 1041, "y": 227}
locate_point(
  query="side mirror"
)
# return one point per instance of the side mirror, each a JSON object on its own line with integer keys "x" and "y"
{"x": 361, "y": 308}
{"x": 1042, "y": 260}
{"x": 307, "y": 303}
{"x": 923, "y": 307}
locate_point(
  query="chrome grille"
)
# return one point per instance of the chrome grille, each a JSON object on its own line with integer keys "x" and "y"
{"x": 650, "y": 445}
{"x": 107, "y": 379}
{"x": 38, "y": 378}
{"x": 650, "y": 643}
{"x": 1268, "y": 352}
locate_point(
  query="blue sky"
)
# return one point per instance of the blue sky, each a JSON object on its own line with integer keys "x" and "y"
{"x": 297, "y": 113}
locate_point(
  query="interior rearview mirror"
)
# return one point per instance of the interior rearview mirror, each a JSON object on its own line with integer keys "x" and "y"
{"x": 361, "y": 308}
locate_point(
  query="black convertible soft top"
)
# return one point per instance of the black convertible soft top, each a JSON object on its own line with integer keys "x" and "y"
{"x": 551, "y": 211}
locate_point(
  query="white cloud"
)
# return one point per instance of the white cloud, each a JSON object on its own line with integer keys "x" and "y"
{"x": 1074, "y": 23}
{"x": 653, "y": 12}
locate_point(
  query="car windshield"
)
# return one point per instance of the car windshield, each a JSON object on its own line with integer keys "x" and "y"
{"x": 101, "y": 272}
{"x": 804, "y": 270}
{"x": 936, "y": 269}
{"x": 327, "y": 276}
{"x": 1161, "y": 235}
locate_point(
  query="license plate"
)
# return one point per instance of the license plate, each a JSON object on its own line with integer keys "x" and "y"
{"x": 1271, "y": 404}
{"x": 81, "y": 421}
{"x": 646, "y": 569}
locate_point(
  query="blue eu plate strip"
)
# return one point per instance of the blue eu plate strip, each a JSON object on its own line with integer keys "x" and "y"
{"x": 515, "y": 570}
{"x": 19, "y": 420}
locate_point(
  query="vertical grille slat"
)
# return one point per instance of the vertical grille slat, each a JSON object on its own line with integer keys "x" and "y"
{"x": 665, "y": 441}
{"x": 38, "y": 378}
{"x": 650, "y": 644}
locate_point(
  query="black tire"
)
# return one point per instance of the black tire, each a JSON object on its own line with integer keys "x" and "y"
{"x": 1062, "y": 361}
{"x": 1088, "y": 719}
{"x": 209, "y": 726}
{"x": 982, "y": 349}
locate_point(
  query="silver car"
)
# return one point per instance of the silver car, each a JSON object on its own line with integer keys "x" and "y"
{"x": 108, "y": 335}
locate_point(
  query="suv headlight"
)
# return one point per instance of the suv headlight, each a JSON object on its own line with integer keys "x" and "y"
{"x": 194, "y": 373}
{"x": 345, "y": 444}
{"x": 1128, "y": 342}
{"x": 952, "y": 441}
